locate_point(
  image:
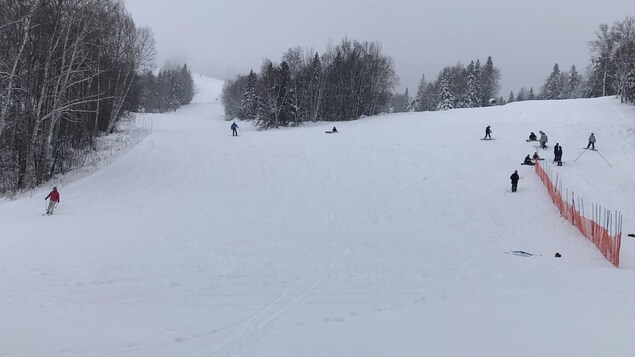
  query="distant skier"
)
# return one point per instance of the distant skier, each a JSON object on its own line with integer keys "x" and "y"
{"x": 488, "y": 133}
{"x": 591, "y": 142}
{"x": 559, "y": 156}
{"x": 54, "y": 200}
{"x": 536, "y": 157}
{"x": 528, "y": 161}
{"x": 555, "y": 152}
{"x": 543, "y": 140}
{"x": 514, "y": 177}
{"x": 532, "y": 137}
{"x": 334, "y": 130}
{"x": 234, "y": 129}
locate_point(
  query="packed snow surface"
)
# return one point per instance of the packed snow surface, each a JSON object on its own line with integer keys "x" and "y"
{"x": 390, "y": 238}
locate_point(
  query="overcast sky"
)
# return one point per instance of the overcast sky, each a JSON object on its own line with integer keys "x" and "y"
{"x": 222, "y": 38}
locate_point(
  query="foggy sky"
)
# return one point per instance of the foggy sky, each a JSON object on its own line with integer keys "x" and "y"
{"x": 222, "y": 38}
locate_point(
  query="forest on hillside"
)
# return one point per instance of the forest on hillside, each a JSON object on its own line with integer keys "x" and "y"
{"x": 355, "y": 79}
{"x": 69, "y": 71}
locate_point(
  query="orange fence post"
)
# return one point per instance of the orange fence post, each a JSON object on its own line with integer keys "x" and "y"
{"x": 596, "y": 232}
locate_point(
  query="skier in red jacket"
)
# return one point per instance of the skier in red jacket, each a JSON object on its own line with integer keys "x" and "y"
{"x": 55, "y": 199}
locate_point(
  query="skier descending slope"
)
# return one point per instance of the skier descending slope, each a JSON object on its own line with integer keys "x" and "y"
{"x": 55, "y": 199}
{"x": 234, "y": 128}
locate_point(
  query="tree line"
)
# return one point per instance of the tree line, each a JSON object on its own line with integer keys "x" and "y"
{"x": 69, "y": 71}
{"x": 610, "y": 72}
{"x": 348, "y": 81}
{"x": 612, "y": 69}
{"x": 457, "y": 86}
{"x": 167, "y": 91}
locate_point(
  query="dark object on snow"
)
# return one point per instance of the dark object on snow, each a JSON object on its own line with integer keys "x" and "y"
{"x": 528, "y": 161}
{"x": 333, "y": 131}
{"x": 558, "y": 255}
{"x": 532, "y": 137}
{"x": 631, "y": 235}
{"x": 488, "y": 133}
{"x": 522, "y": 253}
{"x": 514, "y": 177}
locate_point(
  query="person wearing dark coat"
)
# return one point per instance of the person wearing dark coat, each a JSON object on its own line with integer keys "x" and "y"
{"x": 536, "y": 157}
{"x": 334, "y": 130}
{"x": 528, "y": 161}
{"x": 234, "y": 127}
{"x": 488, "y": 133}
{"x": 532, "y": 137}
{"x": 559, "y": 155}
{"x": 555, "y": 152}
{"x": 514, "y": 177}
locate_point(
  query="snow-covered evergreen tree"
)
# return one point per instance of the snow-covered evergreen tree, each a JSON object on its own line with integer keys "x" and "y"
{"x": 286, "y": 101}
{"x": 418, "y": 101}
{"x": 401, "y": 102}
{"x": 511, "y": 97}
{"x": 472, "y": 98}
{"x": 490, "y": 77}
{"x": 553, "y": 86}
{"x": 446, "y": 96}
{"x": 249, "y": 101}
{"x": 574, "y": 82}
{"x": 522, "y": 94}
{"x": 186, "y": 85}
{"x": 531, "y": 95}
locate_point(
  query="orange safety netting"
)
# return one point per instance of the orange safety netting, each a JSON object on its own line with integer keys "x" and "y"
{"x": 608, "y": 245}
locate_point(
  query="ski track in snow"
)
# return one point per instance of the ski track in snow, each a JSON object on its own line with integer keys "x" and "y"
{"x": 391, "y": 238}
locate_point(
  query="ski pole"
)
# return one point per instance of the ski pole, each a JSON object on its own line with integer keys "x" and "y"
{"x": 583, "y": 151}
{"x": 604, "y": 158}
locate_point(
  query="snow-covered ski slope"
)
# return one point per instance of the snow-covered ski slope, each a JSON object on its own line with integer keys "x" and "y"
{"x": 389, "y": 238}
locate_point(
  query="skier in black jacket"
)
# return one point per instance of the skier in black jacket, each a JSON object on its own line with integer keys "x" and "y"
{"x": 514, "y": 177}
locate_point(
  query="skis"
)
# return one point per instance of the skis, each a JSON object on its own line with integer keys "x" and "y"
{"x": 522, "y": 253}
{"x": 487, "y": 139}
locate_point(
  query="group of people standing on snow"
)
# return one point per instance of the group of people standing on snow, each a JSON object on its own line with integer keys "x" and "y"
{"x": 557, "y": 154}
